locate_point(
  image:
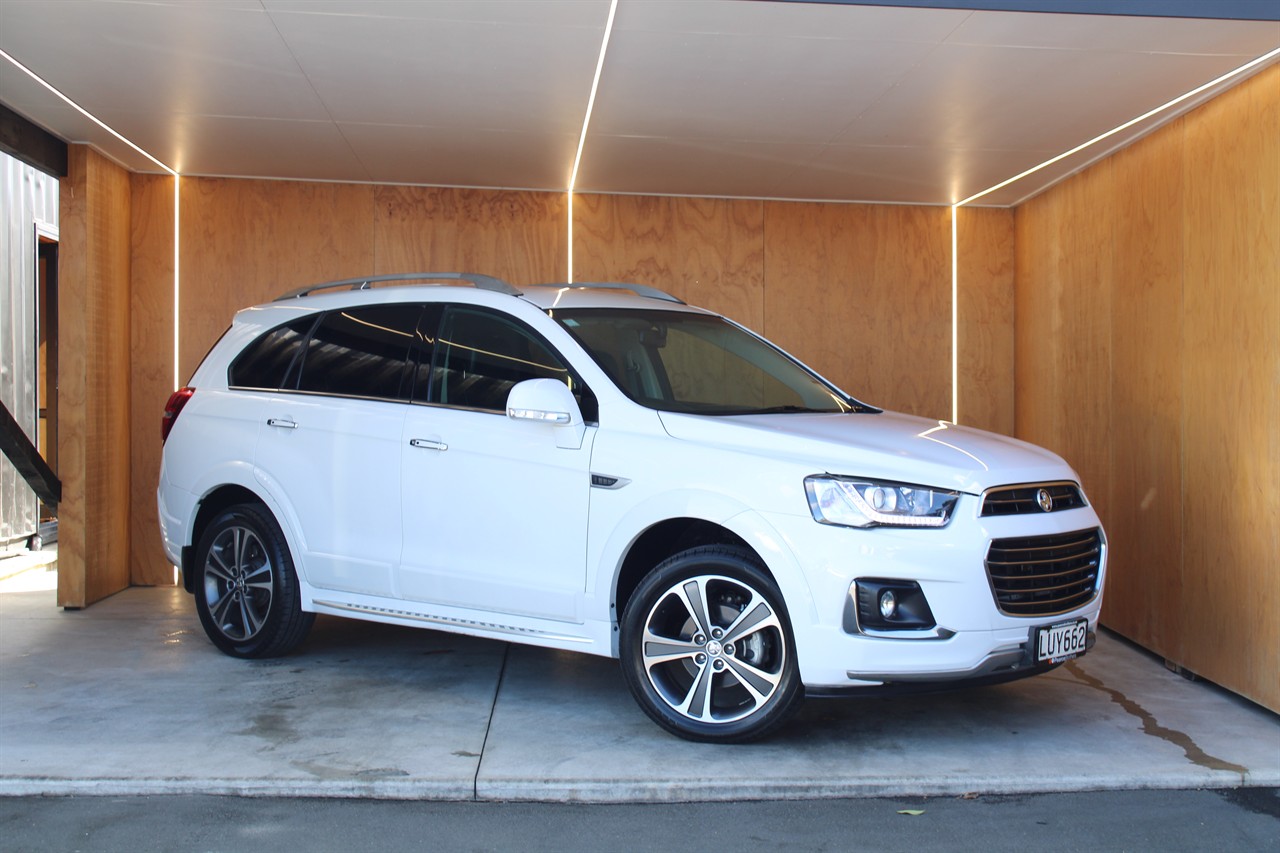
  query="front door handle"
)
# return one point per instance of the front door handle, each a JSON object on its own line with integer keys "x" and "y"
{"x": 427, "y": 444}
{"x": 283, "y": 423}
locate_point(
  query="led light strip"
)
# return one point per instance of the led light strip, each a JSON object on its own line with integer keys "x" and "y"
{"x": 173, "y": 172}
{"x": 586, "y": 122}
{"x": 955, "y": 208}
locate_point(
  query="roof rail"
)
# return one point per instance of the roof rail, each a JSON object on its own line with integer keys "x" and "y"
{"x": 637, "y": 289}
{"x": 483, "y": 282}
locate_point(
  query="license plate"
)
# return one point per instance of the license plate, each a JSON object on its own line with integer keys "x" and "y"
{"x": 1061, "y": 642}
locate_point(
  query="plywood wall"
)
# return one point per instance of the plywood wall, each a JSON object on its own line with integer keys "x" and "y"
{"x": 860, "y": 292}
{"x": 985, "y": 328}
{"x": 708, "y": 252}
{"x": 151, "y": 360}
{"x": 1148, "y": 354}
{"x": 93, "y": 379}
{"x": 863, "y": 293}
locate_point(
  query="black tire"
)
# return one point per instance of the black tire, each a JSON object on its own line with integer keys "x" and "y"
{"x": 723, "y": 672}
{"x": 246, "y": 588}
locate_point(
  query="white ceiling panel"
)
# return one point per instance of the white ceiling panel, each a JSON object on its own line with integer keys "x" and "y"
{"x": 436, "y": 69}
{"x": 1243, "y": 39}
{"x": 27, "y": 97}
{"x": 744, "y": 98}
{"x": 461, "y": 156}
{"x": 115, "y": 57}
{"x": 795, "y": 20}
{"x": 1006, "y": 98}
{"x": 746, "y": 87}
{"x": 234, "y": 146}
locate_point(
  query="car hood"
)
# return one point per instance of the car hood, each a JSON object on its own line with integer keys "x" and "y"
{"x": 886, "y": 445}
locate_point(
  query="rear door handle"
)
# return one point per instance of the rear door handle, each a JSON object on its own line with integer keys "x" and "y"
{"x": 426, "y": 444}
{"x": 283, "y": 423}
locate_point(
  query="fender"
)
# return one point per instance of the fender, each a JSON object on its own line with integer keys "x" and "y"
{"x": 715, "y": 508}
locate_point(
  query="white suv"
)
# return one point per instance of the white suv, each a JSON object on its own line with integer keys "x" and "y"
{"x": 602, "y": 468}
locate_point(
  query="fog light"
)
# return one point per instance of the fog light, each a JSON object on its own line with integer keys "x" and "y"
{"x": 886, "y": 604}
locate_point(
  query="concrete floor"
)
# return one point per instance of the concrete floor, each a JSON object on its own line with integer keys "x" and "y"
{"x": 128, "y": 697}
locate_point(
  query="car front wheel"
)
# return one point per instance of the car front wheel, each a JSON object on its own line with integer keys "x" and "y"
{"x": 706, "y": 647}
{"x": 247, "y": 592}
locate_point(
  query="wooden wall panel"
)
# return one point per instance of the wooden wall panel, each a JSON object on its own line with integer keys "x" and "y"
{"x": 1145, "y": 523}
{"x": 708, "y": 252}
{"x": 1231, "y": 390}
{"x": 246, "y": 242}
{"x": 985, "y": 276}
{"x": 151, "y": 357}
{"x": 1162, "y": 263}
{"x": 863, "y": 294}
{"x": 516, "y": 236}
{"x": 1063, "y": 315}
{"x": 94, "y": 378}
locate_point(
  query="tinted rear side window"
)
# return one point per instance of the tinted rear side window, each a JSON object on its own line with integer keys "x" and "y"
{"x": 264, "y": 362}
{"x": 362, "y": 352}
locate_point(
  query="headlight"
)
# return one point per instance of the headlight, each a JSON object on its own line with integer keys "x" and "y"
{"x": 859, "y": 502}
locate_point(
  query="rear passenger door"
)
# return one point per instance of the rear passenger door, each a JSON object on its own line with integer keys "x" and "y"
{"x": 495, "y": 514}
{"x": 330, "y": 446}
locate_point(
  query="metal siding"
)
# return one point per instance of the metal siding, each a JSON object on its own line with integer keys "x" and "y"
{"x": 30, "y": 203}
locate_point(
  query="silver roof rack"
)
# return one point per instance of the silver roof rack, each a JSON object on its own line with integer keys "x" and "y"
{"x": 483, "y": 282}
{"x": 637, "y": 289}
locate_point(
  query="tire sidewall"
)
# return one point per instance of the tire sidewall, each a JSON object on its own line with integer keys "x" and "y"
{"x": 738, "y": 565}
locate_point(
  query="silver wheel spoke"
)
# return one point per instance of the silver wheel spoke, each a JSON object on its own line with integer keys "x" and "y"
{"x": 665, "y": 649}
{"x": 693, "y": 593}
{"x": 697, "y": 703}
{"x": 259, "y": 578}
{"x": 757, "y": 682}
{"x": 252, "y": 618}
{"x": 755, "y": 617}
{"x": 217, "y": 566}
{"x": 218, "y": 609}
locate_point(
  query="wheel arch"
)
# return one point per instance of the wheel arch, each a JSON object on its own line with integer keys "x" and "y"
{"x": 209, "y": 507}
{"x": 662, "y": 540}
{"x": 747, "y": 530}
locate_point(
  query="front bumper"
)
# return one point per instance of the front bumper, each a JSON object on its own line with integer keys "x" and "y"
{"x": 973, "y": 641}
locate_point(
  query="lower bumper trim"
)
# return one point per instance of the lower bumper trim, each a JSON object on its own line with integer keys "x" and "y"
{"x": 997, "y": 668}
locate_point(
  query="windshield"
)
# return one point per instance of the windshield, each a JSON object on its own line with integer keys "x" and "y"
{"x": 677, "y": 361}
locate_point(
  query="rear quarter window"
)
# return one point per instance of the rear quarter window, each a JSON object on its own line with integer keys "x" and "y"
{"x": 265, "y": 362}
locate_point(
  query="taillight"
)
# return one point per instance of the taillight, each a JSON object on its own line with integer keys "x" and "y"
{"x": 172, "y": 409}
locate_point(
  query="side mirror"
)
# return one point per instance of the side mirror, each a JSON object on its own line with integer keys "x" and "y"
{"x": 550, "y": 402}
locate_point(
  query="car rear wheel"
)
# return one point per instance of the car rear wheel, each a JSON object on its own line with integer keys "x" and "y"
{"x": 247, "y": 592}
{"x": 706, "y": 647}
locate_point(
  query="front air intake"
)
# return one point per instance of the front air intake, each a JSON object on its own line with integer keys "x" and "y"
{"x": 1045, "y": 575}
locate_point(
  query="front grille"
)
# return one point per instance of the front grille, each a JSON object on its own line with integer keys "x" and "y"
{"x": 1045, "y": 575}
{"x": 1023, "y": 500}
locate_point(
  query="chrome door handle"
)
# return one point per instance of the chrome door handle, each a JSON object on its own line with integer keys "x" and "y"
{"x": 282, "y": 423}
{"x": 428, "y": 445}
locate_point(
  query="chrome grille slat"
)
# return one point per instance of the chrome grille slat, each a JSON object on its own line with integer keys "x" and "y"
{"x": 1038, "y": 562}
{"x": 1044, "y": 575}
{"x": 1021, "y": 500}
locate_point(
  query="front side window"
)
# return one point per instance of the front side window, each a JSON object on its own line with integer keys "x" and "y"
{"x": 362, "y": 352}
{"x": 680, "y": 361}
{"x": 480, "y": 356}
